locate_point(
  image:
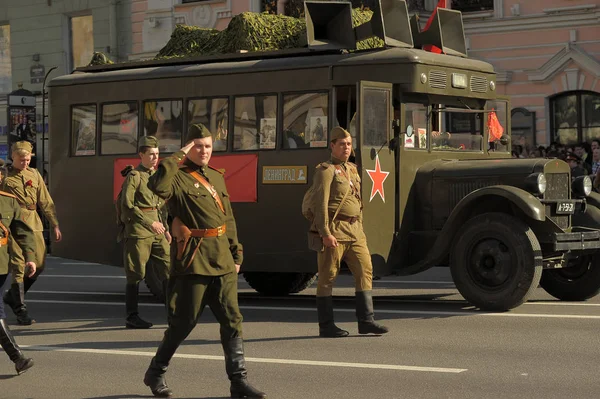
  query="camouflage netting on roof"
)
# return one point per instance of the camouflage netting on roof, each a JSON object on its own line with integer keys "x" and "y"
{"x": 100, "y": 58}
{"x": 251, "y": 32}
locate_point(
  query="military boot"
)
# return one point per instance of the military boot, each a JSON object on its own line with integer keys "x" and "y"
{"x": 365, "y": 314}
{"x": 131, "y": 308}
{"x": 235, "y": 365}
{"x": 155, "y": 380}
{"x": 7, "y": 341}
{"x": 327, "y": 327}
{"x": 15, "y": 299}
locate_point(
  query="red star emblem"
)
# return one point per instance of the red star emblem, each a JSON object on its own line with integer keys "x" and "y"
{"x": 377, "y": 177}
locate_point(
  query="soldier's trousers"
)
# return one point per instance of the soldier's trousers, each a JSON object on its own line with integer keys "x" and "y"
{"x": 357, "y": 257}
{"x": 137, "y": 253}
{"x": 187, "y": 298}
{"x": 17, "y": 260}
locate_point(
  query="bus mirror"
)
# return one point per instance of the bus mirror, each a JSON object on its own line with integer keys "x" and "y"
{"x": 504, "y": 139}
{"x": 329, "y": 25}
{"x": 389, "y": 22}
{"x": 445, "y": 32}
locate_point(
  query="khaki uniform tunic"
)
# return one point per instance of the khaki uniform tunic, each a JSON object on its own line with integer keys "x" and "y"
{"x": 210, "y": 279}
{"x": 10, "y": 217}
{"x": 331, "y": 181}
{"x": 31, "y": 191}
{"x": 142, "y": 208}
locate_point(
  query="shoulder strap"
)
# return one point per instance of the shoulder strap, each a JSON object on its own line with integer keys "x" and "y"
{"x": 343, "y": 199}
{"x": 207, "y": 186}
{"x": 4, "y": 193}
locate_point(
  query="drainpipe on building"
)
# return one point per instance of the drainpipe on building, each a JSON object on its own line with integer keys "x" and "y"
{"x": 112, "y": 30}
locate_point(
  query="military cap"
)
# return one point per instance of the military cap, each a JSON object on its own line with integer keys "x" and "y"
{"x": 2, "y": 163}
{"x": 339, "y": 133}
{"x": 573, "y": 157}
{"x": 197, "y": 131}
{"x": 22, "y": 145}
{"x": 148, "y": 141}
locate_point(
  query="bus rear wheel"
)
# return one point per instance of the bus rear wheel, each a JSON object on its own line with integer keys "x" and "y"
{"x": 578, "y": 282}
{"x": 277, "y": 284}
{"x": 496, "y": 261}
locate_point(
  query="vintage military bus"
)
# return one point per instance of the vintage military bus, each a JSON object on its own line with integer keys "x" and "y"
{"x": 432, "y": 142}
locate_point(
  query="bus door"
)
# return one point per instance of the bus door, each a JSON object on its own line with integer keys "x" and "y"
{"x": 377, "y": 167}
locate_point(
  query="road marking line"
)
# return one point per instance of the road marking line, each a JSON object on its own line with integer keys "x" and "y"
{"x": 85, "y": 293}
{"x": 385, "y": 311}
{"x": 79, "y": 276}
{"x": 412, "y": 282}
{"x": 255, "y": 360}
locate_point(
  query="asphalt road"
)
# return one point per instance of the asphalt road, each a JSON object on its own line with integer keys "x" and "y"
{"x": 438, "y": 346}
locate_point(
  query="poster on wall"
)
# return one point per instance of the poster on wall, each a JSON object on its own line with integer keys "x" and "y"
{"x": 21, "y": 125}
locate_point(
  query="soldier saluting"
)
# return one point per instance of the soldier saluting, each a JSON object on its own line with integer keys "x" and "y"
{"x": 338, "y": 220}
{"x": 205, "y": 260}
{"x": 27, "y": 185}
{"x": 146, "y": 234}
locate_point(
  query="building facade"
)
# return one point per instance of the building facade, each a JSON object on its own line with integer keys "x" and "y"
{"x": 38, "y": 35}
{"x": 547, "y": 55}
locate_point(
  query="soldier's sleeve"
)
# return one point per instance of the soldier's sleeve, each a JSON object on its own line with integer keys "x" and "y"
{"x": 22, "y": 233}
{"x": 322, "y": 183}
{"x": 133, "y": 212}
{"x": 236, "y": 248}
{"x": 45, "y": 201}
{"x": 162, "y": 181}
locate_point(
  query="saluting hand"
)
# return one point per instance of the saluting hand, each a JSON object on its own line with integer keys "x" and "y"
{"x": 31, "y": 267}
{"x": 237, "y": 269}
{"x": 330, "y": 241}
{"x": 186, "y": 148}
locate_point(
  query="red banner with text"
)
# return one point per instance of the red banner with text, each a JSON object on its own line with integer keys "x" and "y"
{"x": 240, "y": 175}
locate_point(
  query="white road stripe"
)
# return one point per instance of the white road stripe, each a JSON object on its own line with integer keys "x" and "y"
{"x": 384, "y": 311}
{"x": 412, "y": 282}
{"x": 79, "y": 276}
{"x": 255, "y": 360}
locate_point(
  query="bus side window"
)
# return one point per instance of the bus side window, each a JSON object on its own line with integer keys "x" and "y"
{"x": 345, "y": 110}
{"x": 255, "y": 123}
{"x": 164, "y": 120}
{"x": 305, "y": 118}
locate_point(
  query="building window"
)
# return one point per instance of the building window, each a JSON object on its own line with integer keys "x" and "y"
{"x": 305, "y": 119}
{"x": 214, "y": 114}
{"x": 83, "y": 130}
{"x": 5, "y": 63}
{"x": 575, "y": 117}
{"x": 472, "y": 5}
{"x": 255, "y": 123}
{"x": 82, "y": 40}
{"x": 164, "y": 120}
{"x": 119, "y": 129}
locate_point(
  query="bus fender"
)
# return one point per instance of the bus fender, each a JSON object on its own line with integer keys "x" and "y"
{"x": 591, "y": 217}
{"x": 531, "y": 207}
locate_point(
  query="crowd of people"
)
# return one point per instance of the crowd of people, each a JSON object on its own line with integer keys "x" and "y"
{"x": 583, "y": 158}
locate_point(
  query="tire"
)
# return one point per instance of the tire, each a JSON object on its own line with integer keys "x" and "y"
{"x": 496, "y": 261}
{"x": 578, "y": 282}
{"x": 278, "y": 284}
{"x": 154, "y": 282}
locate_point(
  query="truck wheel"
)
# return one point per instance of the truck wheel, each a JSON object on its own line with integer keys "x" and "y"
{"x": 154, "y": 282}
{"x": 277, "y": 284}
{"x": 496, "y": 261}
{"x": 578, "y": 282}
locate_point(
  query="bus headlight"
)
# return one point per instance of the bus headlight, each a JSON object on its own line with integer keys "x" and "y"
{"x": 582, "y": 186}
{"x": 536, "y": 183}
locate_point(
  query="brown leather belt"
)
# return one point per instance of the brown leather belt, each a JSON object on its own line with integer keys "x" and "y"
{"x": 217, "y": 232}
{"x": 31, "y": 207}
{"x": 3, "y": 241}
{"x": 148, "y": 209}
{"x": 344, "y": 218}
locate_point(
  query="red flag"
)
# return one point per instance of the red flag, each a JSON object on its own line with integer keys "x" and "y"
{"x": 495, "y": 129}
{"x": 430, "y": 47}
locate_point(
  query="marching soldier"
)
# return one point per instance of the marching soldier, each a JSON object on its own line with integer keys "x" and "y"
{"x": 206, "y": 259}
{"x": 11, "y": 225}
{"x": 338, "y": 221}
{"x": 146, "y": 233}
{"x": 28, "y": 186}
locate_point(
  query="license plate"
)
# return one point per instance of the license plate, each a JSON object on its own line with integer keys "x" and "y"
{"x": 565, "y": 208}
